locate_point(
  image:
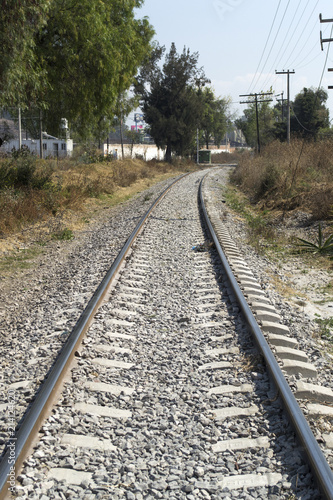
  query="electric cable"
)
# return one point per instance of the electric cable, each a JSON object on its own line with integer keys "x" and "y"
{"x": 313, "y": 48}
{"x": 262, "y": 55}
{"x": 299, "y": 38}
{"x": 278, "y": 31}
{"x": 309, "y": 19}
{"x": 276, "y": 63}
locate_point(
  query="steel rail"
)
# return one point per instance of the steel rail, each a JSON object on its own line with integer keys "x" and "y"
{"x": 319, "y": 465}
{"x": 19, "y": 444}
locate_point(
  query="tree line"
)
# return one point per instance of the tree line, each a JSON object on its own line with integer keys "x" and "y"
{"x": 309, "y": 118}
{"x": 92, "y": 62}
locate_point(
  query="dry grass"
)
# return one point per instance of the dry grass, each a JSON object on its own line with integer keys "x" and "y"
{"x": 288, "y": 177}
{"x": 73, "y": 187}
{"x": 226, "y": 157}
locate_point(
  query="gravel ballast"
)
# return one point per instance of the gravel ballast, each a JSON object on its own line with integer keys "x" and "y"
{"x": 164, "y": 450}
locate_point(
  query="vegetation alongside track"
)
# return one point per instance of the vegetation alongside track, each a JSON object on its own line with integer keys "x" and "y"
{"x": 284, "y": 181}
{"x": 265, "y": 189}
{"x": 288, "y": 177}
{"x": 33, "y": 190}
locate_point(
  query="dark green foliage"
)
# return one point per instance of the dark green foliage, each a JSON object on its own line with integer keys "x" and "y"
{"x": 70, "y": 58}
{"x": 171, "y": 100}
{"x": 309, "y": 113}
{"x": 20, "y": 171}
{"x": 215, "y": 117}
{"x": 21, "y": 76}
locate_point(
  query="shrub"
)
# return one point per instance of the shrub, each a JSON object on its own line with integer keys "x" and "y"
{"x": 22, "y": 171}
{"x": 299, "y": 175}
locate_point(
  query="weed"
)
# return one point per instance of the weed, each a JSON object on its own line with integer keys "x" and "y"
{"x": 20, "y": 260}
{"x": 273, "y": 180}
{"x": 63, "y": 235}
{"x": 326, "y": 328}
{"x": 260, "y": 226}
{"x": 22, "y": 171}
{"x": 32, "y": 189}
{"x": 234, "y": 200}
{"x": 147, "y": 197}
{"x": 322, "y": 246}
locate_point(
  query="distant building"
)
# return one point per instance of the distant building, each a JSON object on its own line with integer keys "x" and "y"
{"x": 236, "y": 138}
{"x": 52, "y": 146}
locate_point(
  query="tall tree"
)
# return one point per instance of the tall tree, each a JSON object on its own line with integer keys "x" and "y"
{"x": 77, "y": 56}
{"x": 215, "y": 117}
{"x": 309, "y": 113}
{"x": 91, "y": 51}
{"x": 170, "y": 99}
{"x": 21, "y": 75}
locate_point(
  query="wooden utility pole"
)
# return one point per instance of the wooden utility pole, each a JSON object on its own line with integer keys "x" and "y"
{"x": 330, "y": 87}
{"x": 282, "y": 105}
{"x": 288, "y": 73}
{"x": 20, "y": 128}
{"x": 325, "y": 40}
{"x": 257, "y": 115}
{"x": 40, "y": 135}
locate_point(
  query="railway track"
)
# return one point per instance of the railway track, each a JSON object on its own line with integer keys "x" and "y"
{"x": 168, "y": 395}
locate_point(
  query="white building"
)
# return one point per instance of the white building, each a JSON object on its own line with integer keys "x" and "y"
{"x": 52, "y": 146}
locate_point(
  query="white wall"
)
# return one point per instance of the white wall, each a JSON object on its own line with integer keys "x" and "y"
{"x": 49, "y": 144}
{"x": 147, "y": 151}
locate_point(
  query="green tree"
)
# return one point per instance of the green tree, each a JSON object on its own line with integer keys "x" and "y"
{"x": 170, "y": 99}
{"x": 91, "y": 51}
{"x": 21, "y": 75}
{"x": 248, "y": 123}
{"x": 309, "y": 113}
{"x": 222, "y": 120}
{"x": 215, "y": 117}
{"x": 77, "y": 57}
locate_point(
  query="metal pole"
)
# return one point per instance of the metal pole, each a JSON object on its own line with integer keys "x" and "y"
{"x": 40, "y": 135}
{"x": 288, "y": 73}
{"x": 288, "y": 108}
{"x": 257, "y": 119}
{"x": 20, "y": 128}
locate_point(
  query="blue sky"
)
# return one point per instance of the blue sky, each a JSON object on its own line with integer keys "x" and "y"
{"x": 242, "y": 42}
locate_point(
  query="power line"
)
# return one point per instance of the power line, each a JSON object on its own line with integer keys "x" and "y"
{"x": 303, "y": 30}
{"x": 269, "y": 34}
{"x": 278, "y": 31}
{"x": 309, "y": 52}
{"x": 328, "y": 49}
{"x": 315, "y": 46}
{"x": 276, "y": 63}
{"x": 299, "y": 38}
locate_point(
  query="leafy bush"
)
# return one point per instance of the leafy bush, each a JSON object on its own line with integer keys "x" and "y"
{"x": 20, "y": 171}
